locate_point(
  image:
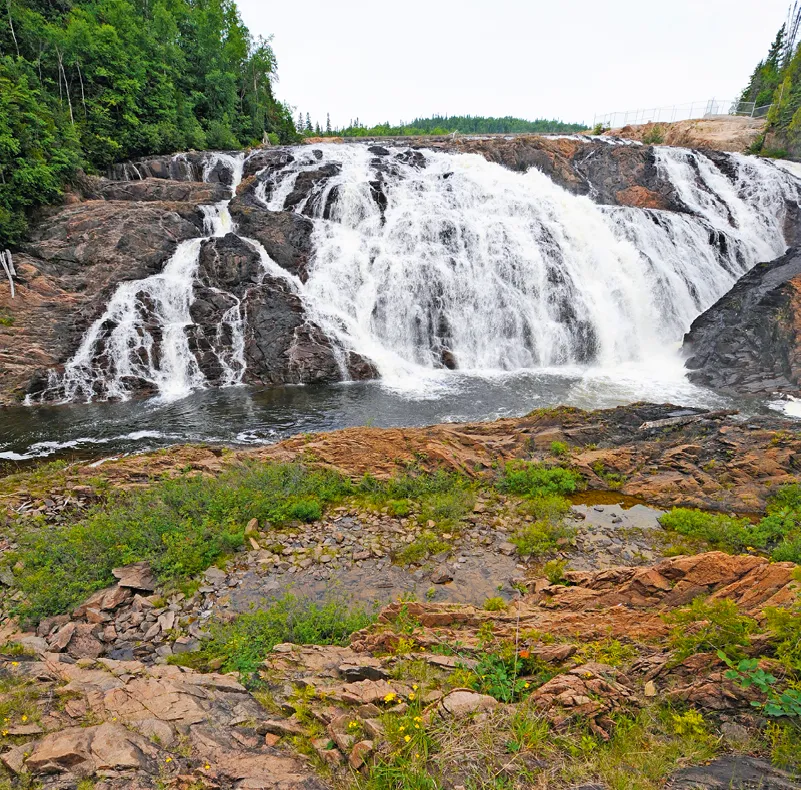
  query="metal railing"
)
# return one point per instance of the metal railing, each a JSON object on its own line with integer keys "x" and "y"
{"x": 696, "y": 110}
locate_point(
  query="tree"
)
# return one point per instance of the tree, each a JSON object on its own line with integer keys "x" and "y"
{"x": 327, "y": 124}
{"x": 89, "y": 82}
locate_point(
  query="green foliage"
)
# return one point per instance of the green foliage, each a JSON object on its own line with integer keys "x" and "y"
{"x": 709, "y": 626}
{"x": 536, "y": 480}
{"x": 243, "y": 644}
{"x": 464, "y": 124}
{"x": 785, "y": 624}
{"x": 724, "y": 532}
{"x": 180, "y": 526}
{"x": 778, "y": 533}
{"x": 559, "y": 449}
{"x": 496, "y": 604}
{"x": 655, "y": 135}
{"x": 778, "y": 704}
{"x": 89, "y": 82}
{"x": 427, "y": 544}
{"x": 443, "y": 497}
{"x": 554, "y": 571}
{"x": 539, "y": 537}
{"x": 507, "y": 676}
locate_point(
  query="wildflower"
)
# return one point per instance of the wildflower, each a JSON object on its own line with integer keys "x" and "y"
{"x": 407, "y": 738}
{"x": 353, "y": 725}
{"x": 390, "y": 697}
{"x": 411, "y": 695}
{"x": 206, "y": 767}
{"x": 415, "y": 687}
{"x": 24, "y": 718}
{"x": 402, "y": 727}
{"x": 749, "y": 548}
{"x": 15, "y": 663}
{"x": 168, "y": 760}
{"x": 525, "y": 654}
{"x": 526, "y": 685}
{"x": 417, "y": 726}
{"x": 418, "y": 718}
{"x": 5, "y": 732}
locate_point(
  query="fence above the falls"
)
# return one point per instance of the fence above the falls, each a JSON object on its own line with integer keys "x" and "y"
{"x": 695, "y": 110}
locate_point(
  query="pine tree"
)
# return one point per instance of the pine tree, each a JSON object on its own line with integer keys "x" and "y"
{"x": 327, "y": 123}
{"x": 299, "y": 126}
{"x": 308, "y": 124}
{"x": 317, "y": 130}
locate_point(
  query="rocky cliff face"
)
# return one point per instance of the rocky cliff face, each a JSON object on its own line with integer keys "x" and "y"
{"x": 750, "y": 340}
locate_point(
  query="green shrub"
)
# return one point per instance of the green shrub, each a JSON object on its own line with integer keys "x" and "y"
{"x": 536, "y": 480}
{"x": 723, "y": 532}
{"x": 554, "y": 571}
{"x": 559, "y": 449}
{"x": 243, "y": 644}
{"x": 496, "y": 604}
{"x": 540, "y": 537}
{"x": 181, "y": 526}
{"x": 427, "y": 544}
{"x": 778, "y": 533}
{"x": 709, "y": 626}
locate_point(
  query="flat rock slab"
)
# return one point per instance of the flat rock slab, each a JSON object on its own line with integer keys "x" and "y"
{"x": 733, "y": 772}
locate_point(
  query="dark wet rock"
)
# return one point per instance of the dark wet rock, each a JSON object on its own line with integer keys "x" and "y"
{"x": 155, "y": 189}
{"x": 749, "y": 341}
{"x": 733, "y": 772}
{"x": 285, "y": 236}
{"x": 281, "y": 344}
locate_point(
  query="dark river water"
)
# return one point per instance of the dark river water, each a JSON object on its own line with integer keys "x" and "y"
{"x": 248, "y": 416}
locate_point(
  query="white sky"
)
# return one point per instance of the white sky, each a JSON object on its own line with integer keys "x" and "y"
{"x": 568, "y": 59}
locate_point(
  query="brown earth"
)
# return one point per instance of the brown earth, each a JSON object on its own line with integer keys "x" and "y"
{"x": 735, "y": 134}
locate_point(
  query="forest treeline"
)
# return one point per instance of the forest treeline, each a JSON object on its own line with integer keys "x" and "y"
{"x": 84, "y": 83}
{"x": 776, "y": 83}
{"x": 437, "y": 125}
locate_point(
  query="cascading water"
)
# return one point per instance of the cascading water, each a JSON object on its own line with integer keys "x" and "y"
{"x": 425, "y": 260}
{"x": 470, "y": 264}
{"x": 141, "y": 336}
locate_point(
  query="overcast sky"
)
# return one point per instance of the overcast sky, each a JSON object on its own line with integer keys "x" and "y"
{"x": 567, "y": 59}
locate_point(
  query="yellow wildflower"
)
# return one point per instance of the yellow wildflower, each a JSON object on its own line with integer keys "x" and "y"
{"x": 407, "y": 738}
{"x": 402, "y": 727}
{"x": 206, "y": 767}
{"x": 15, "y": 663}
{"x": 5, "y": 732}
{"x": 415, "y": 687}
{"x": 526, "y": 685}
{"x": 168, "y": 760}
{"x": 24, "y": 718}
{"x": 411, "y": 695}
{"x": 417, "y": 726}
{"x": 390, "y": 697}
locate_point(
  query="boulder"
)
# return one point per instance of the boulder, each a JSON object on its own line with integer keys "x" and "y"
{"x": 462, "y": 703}
{"x": 749, "y": 341}
{"x": 138, "y": 576}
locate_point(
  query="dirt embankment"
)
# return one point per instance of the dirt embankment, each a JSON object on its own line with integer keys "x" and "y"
{"x": 733, "y": 133}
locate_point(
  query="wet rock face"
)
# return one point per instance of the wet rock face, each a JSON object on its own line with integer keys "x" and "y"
{"x": 281, "y": 345}
{"x": 750, "y": 340}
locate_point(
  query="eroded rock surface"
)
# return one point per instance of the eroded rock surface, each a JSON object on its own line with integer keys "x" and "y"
{"x": 749, "y": 341}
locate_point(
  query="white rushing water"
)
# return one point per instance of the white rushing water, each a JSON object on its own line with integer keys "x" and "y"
{"x": 502, "y": 271}
{"x": 466, "y": 264}
{"x": 142, "y": 335}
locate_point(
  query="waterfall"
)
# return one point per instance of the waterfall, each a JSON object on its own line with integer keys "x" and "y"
{"x": 424, "y": 260}
{"x": 470, "y": 264}
{"x": 141, "y": 336}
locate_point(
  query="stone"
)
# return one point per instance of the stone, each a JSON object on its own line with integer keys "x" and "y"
{"x": 441, "y": 575}
{"x": 359, "y": 754}
{"x": 732, "y": 772}
{"x": 136, "y": 577}
{"x": 463, "y": 703}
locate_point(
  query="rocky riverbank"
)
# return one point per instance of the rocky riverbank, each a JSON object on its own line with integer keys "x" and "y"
{"x": 513, "y": 633}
